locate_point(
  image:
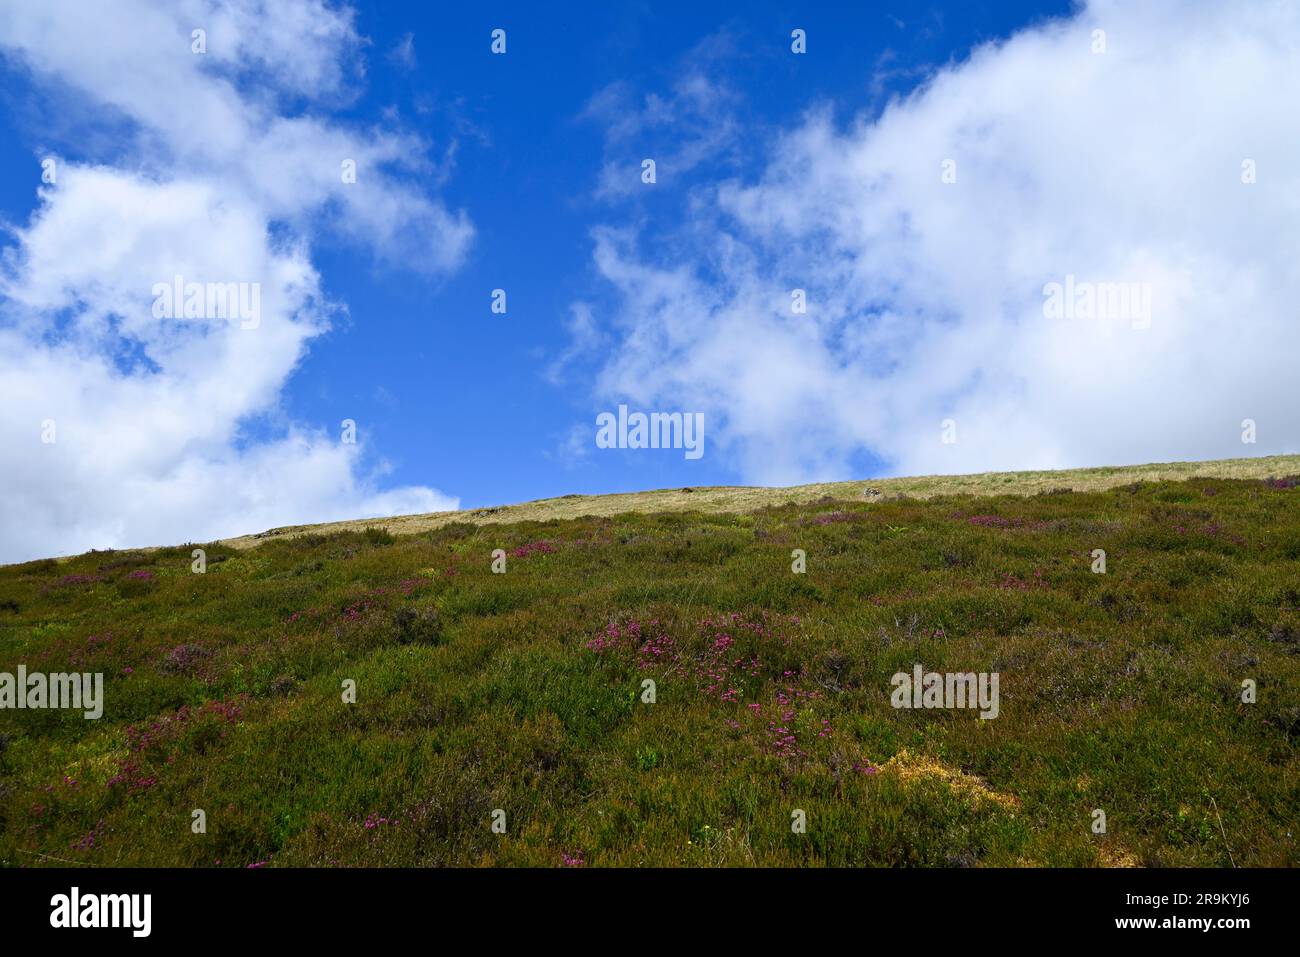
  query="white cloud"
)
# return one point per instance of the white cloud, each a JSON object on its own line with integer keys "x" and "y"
{"x": 689, "y": 126}
{"x": 585, "y": 338}
{"x": 925, "y": 298}
{"x": 158, "y": 422}
{"x": 403, "y": 52}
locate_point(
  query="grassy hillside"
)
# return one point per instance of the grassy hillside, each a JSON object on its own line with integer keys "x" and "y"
{"x": 733, "y": 498}
{"x": 522, "y": 691}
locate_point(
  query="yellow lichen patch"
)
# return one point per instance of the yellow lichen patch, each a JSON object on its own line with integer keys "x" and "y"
{"x": 1116, "y": 855}
{"x": 914, "y": 767}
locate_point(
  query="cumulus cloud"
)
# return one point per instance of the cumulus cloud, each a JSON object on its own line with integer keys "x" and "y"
{"x": 926, "y": 297}
{"x": 166, "y": 429}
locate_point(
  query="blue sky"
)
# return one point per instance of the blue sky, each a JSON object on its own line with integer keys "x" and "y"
{"x": 521, "y": 172}
{"x": 457, "y": 397}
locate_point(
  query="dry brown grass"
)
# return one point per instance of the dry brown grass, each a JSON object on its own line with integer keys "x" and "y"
{"x": 731, "y": 498}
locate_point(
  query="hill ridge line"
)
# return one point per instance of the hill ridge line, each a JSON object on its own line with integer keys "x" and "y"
{"x": 749, "y": 498}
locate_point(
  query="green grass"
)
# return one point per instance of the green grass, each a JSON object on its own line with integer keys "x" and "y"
{"x": 479, "y": 691}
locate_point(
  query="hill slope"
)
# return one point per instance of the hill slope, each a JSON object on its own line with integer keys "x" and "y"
{"x": 524, "y": 692}
{"x": 739, "y": 498}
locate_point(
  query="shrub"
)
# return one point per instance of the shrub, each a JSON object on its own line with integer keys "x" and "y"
{"x": 417, "y": 626}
